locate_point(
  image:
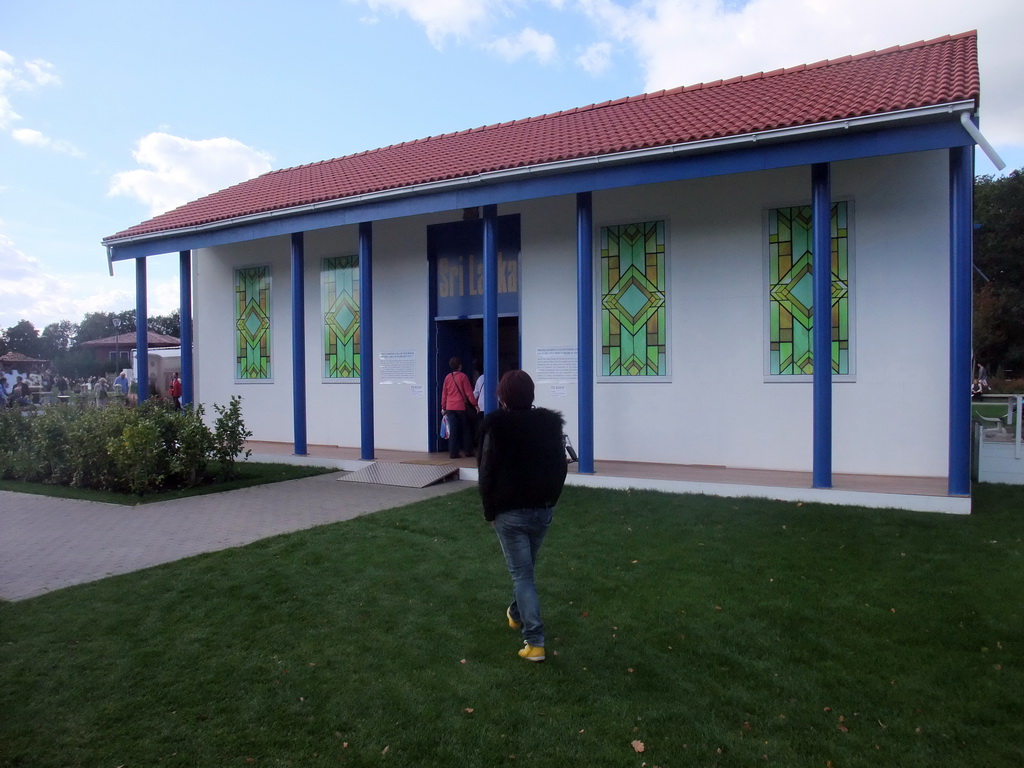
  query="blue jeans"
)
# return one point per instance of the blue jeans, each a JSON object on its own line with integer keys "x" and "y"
{"x": 520, "y": 533}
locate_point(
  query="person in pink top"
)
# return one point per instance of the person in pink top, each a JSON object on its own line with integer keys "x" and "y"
{"x": 458, "y": 403}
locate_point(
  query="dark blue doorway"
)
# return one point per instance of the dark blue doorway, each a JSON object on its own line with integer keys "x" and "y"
{"x": 456, "y": 305}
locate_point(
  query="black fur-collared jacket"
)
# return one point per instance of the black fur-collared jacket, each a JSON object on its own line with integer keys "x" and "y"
{"x": 521, "y": 458}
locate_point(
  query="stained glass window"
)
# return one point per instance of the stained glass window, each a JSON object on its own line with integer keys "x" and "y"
{"x": 252, "y": 323}
{"x": 791, "y": 291}
{"x": 633, "y": 293}
{"x": 339, "y": 300}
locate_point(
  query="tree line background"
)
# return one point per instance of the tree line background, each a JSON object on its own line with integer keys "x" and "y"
{"x": 998, "y": 296}
{"x": 59, "y": 342}
{"x": 999, "y": 274}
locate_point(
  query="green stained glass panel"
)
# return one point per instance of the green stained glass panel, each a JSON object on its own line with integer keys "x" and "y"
{"x": 633, "y": 300}
{"x": 252, "y": 323}
{"x": 339, "y": 297}
{"x": 790, "y": 290}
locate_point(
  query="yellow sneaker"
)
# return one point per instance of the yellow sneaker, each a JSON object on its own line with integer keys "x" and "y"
{"x": 512, "y": 622}
{"x": 532, "y": 652}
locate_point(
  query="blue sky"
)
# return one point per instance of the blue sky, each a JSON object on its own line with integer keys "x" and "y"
{"x": 114, "y": 110}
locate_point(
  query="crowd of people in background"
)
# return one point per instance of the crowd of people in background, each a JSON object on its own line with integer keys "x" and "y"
{"x": 18, "y": 389}
{"x": 22, "y": 389}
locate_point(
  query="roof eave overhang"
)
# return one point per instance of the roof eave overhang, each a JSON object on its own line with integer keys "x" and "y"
{"x": 879, "y": 121}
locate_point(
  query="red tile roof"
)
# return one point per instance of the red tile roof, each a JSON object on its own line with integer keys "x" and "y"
{"x": 921, "y": 74}
{"x": 128, "y": 339}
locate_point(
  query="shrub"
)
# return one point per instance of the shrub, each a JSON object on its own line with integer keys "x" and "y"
{"x": 140, "y": 457}
{"x": 91, "y": 434}
{"x": 195, "y": 445}
{"x": 230, "y": 435}
{"x": 1006, "y": 386}
{"x": 118, "y": 448}
{"x": 15, "y": 438}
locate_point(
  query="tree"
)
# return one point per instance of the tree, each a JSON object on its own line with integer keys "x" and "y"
{"x": 100, "y": 325}
{"x": 56, "y": 338}
{"x": 23, "y": 338}
{"x": 999, "y": 275}
{"x": 169, "y": 325}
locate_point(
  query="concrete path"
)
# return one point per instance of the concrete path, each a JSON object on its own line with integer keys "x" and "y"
{"x": 47, "y": 544}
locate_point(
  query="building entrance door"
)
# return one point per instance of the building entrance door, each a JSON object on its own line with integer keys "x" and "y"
{"x": 456, "y": 272}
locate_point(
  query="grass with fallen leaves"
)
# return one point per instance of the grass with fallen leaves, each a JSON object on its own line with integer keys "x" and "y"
{"x": 682, "y": 631}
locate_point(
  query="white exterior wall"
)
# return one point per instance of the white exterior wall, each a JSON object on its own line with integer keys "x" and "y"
{"x": 400, "y": 273}
{"x": 266, "y": 406}
{"x": 715, "y": 407}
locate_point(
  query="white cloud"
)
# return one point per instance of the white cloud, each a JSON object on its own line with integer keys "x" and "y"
{"x": 8, "y": 78}
{"x": 683, "y": 42}
{"x": 40, "y": 73}
{"x": 180, "y": 170}
{"x": 34, "y": 138}
{"x": 440, "y": 18}
{"x": 529, "y": 42}
{"x": 596, "y": 59}
{"x": 472, "y": 21}
{"x": 29, "y": 292}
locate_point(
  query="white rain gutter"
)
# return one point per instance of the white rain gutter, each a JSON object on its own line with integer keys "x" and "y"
{"x": 964, "y": 108}
{"x": 981, "y": 141}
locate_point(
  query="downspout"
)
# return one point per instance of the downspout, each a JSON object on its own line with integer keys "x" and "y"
{"x": 981, "y": 141}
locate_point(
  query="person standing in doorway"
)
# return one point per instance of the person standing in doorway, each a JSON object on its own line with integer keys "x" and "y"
{"x": 522, "y": 468}
{"x": 480, "y": 394}
{"x": 458, "y": 403}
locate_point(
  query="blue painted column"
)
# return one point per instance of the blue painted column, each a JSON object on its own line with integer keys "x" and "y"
{"x": 961, "y": 215}
{"x": 490, "y": 251}
{"x": 141, "y": 331}
{"x": 585, "y": 328}
{"x": 185, "y": 310}
{"x": 821, "y": 217}
{"x": 299, "y": 343}
{"x": 366, "y": 450}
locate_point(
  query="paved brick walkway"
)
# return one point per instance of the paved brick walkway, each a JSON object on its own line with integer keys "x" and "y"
{"x": 47, "y": 544}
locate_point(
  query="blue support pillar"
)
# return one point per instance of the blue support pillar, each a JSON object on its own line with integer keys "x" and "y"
{"x": 141, "y": 331}
{"x": 821, "y": 217}
{"x": 961, "y": 189}
{"x": 299, "y": 343}
{"x": 366, "y": 450}
{"x": 585, "y": 328}
{"x": 185, "y": 310}
{"x": 490, "y": 251}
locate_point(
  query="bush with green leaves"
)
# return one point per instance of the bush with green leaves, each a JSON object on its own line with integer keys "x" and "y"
{"x": 230, "y": 435}
{"x": 117, "y": 448}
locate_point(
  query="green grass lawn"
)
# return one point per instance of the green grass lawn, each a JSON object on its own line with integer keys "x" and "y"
{"x": 248, "y": 473}
{"x": 715, "y": 632}
{"x": 990, "y": 410}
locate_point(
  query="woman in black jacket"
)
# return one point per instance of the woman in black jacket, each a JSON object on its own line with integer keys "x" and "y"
{"x": 522, "y": 469}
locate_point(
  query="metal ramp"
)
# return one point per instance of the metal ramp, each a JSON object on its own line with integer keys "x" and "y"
{"x": 402, "y": 474}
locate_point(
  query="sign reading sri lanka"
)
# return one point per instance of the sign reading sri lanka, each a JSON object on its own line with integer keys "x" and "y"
{"x": 459, "y": 264}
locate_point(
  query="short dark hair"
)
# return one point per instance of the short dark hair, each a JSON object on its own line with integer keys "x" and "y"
{"x": 455, "y": 363}
{"x": 515, "y": 390}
